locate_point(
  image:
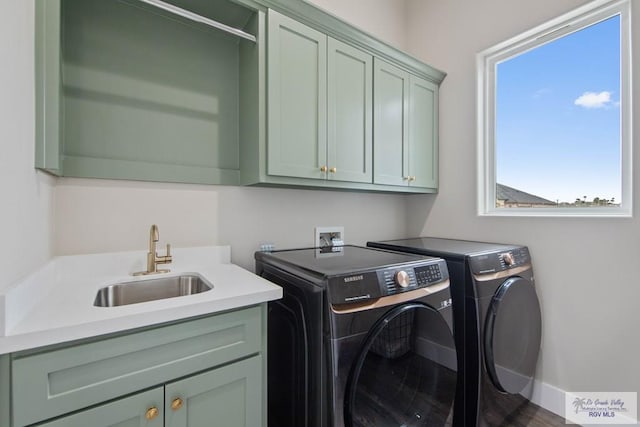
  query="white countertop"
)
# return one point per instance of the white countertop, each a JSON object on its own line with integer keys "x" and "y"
{"x": 55, "y": 303}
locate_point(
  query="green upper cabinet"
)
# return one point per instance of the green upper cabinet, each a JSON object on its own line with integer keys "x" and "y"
{"x": 297, "y": 98}
{"x": 319, "y": 105}
{"x": 127, "y": 91}
{"x": 349, "y": 145}
{"x": 47, "y": 85}
{"x": 391, "y": 118}
{"x": 405, "y": 128}
{"x": 423, "y": 133}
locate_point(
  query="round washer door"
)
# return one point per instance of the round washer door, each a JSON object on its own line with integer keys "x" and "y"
{"x": 512, "y": 335}
{"x": 399, "y": 377}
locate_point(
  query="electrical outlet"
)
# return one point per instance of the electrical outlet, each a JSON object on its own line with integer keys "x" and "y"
{"x": 267, "y": 247}
{"x": 329, "y": 236}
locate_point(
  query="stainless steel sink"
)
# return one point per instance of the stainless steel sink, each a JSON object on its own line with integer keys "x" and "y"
{"x": 150, "y": 290}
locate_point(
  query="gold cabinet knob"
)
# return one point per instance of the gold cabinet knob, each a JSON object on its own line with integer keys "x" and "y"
{"x": 323, "y": 168}
{"x": 333, "y": 170}
{"x": 176, "y": 404}
{"x": 406, "y": 178}
{"x": 151, "y": 413}
{"x": 412, "y": 178}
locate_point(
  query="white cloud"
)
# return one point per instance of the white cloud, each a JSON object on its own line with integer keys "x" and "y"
{"x": 594, "y": 100}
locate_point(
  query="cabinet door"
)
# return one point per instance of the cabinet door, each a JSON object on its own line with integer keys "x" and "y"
{"x": 350, "y": 85}
{"x": 423, "y": 133}
{"x": 128, "y": 412}
{"x": 47, "y": 85}
{"x": 297, "y": 99}
{"x": 390, "y": 121}
{"x": 228, "y": 396}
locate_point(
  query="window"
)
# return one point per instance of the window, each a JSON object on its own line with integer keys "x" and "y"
{"x": 554, "y": 117}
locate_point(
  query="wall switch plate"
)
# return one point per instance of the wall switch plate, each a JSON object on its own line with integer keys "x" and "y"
{"x": 329, "y": 236}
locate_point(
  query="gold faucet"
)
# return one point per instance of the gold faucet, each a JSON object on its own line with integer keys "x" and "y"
{"x": 152, "y": 256}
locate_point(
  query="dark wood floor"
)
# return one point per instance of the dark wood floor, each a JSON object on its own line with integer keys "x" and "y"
{"x": 390, "y": 391}
{"x": 535, "y": 416}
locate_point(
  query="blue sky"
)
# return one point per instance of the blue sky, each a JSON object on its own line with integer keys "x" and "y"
{"x": 558, "y": 116}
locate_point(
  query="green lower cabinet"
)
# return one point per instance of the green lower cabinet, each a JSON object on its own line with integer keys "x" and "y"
{"x": 202, "y": 372}
{"x": 228, "y": 396}
{"x": 140, "y": 410}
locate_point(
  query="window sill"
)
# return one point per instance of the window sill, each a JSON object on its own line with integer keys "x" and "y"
{"x": 559, "y": 212}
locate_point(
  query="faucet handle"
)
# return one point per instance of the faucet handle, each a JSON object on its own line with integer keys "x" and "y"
{"x": 166, "y": 259}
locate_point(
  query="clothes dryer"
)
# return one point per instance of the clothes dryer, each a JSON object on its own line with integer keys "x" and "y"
{"x": 494, "y": 300}
{"x": 362, "y": 337}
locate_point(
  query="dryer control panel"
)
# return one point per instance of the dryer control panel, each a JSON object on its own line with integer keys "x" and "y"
{"x": 493, "y": 262}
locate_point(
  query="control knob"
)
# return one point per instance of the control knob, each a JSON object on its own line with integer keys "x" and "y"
{"x": 402, "y": 278}
{"x": 508, "y": 259}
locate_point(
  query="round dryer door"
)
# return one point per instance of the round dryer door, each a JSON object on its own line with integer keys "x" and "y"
{"x": 404, "y": 374}
{"x": 512, "y": 335}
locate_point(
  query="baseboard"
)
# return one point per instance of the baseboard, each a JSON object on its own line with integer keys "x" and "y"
{"x": 552, "y": 399}
{"x": 548, "y": 397}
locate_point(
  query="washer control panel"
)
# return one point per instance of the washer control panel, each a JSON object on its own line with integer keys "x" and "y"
{"x": 362, "y": 286}
{"x": 394, "y": 280}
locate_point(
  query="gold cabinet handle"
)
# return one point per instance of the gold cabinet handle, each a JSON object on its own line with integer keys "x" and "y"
{"x": 323, "y": 168}
{"x": 151, "y": 413}
{"x": 333, "y": 170}
{"x": 406, "y": 178}
{"x": 176, "y": 404}
{"x": 412, "y": 178}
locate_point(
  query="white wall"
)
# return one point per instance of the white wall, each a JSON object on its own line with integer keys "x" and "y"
{"x": 98, "y": 216}
{"x": 586, "y": 269}
{"x": 25, "y": 195}
{"x": 382, "y": 18}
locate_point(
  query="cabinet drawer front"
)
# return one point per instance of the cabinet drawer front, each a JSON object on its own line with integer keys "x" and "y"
{"x": 64, "y": 380}
{"x": 128, "y": 412}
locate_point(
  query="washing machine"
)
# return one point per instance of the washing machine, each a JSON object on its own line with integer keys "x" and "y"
{"x": 495, "y": 301}
{"x": 362, "y": 337}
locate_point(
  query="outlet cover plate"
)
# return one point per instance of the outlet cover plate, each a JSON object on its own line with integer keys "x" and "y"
{"x": 322, "y": 234}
